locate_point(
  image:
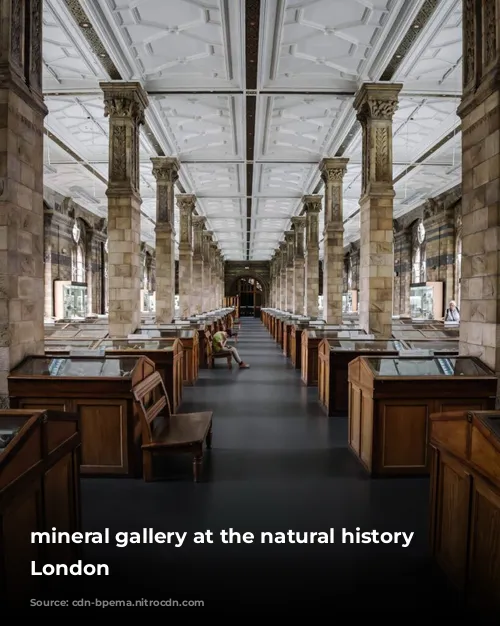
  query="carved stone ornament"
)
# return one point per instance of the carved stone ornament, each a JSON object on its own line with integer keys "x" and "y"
{"x": 106, "y": 246}
{"x": 420, "y": 233}
{"x": 332, "y": 175}
{"x": 469, "y": 41}
{"x": 76, "y": 232}
{"x": 431, "y": 208}
{"x": 382, "y": 109}
{"x": 124, "y": 105}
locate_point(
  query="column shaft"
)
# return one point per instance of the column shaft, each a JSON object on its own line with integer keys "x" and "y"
{"x": 375, "y": 104}
{"x": 332, "y": 173}
{"x": 299, "y": 266}
{"x": 124, "y": 105}
{"x": 198, "y": 284}
{"x": 312, "y": 205}
{"x": 186, "y": 204}
{"x": 165, "y": 170}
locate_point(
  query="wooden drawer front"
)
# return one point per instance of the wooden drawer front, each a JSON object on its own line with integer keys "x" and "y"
{"x": 51, "y": 404}
{"x": 484, "y": 550}
{"x": 403, "y": 435}
{"x": 103, "y": 427}
{"x": 452, "y": 515}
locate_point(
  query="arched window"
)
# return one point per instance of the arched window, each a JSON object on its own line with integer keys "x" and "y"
{"x": 418, "y": 274}
{"x": 458, "y": 264}
{"x": 78, "y": 254}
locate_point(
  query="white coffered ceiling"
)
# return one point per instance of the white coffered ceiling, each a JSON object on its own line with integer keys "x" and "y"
{"x": 312, "y": 57}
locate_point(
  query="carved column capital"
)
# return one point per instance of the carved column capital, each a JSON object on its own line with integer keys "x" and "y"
{"x": 312, "y": 204}
{"x": 375, "y": 104}
{"x": 332, "y": 174}
{"x": 165, "y": 170}
{"x": 333, "y": 170}
{"x": 124, "y": 104}
{"x": 299, "y": 224}
{"x": 186, "y": 203}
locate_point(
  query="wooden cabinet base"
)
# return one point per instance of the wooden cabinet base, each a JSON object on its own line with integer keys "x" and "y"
{"x": 465, "y": 505}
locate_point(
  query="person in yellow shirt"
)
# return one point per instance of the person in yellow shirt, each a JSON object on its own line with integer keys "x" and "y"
{"x": 219, "y": 342}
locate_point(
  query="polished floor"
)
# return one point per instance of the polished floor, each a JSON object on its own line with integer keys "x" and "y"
{"x": 277, "y": 464}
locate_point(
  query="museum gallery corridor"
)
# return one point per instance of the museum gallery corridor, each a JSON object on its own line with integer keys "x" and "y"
{"x": 277, "y": 464}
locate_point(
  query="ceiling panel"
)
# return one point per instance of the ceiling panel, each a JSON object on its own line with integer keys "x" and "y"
{"x": 177, "y": 44}
{"x": 207, "y": 127}
{"x": 297, "y": 127}
{"x": 321, "y": 44}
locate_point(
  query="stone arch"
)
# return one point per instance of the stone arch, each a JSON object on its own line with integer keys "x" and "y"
{"x": 231, "y": 286}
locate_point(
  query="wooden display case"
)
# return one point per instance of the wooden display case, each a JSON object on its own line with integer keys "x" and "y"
{"x": 39, "y": 489}
{"x": 166, "y": 354}
{"x": 296, "y": 344}
{"x": 99, "y": 391}
{"x": 334, "y": 356}
{"x": 309, "y": 358}
{"x": 390, "y": 400}
{"x": 465, "y": 503}
{"x": 191, "y": 344}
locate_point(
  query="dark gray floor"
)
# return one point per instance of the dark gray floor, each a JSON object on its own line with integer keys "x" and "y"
{"x": 277, "y": 464}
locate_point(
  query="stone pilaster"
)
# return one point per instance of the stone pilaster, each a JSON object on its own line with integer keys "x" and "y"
{"x": 198, "y": 285}
{"x": 283, "y": 282}
{"x": 186, "y": 203}
{"x": 21, "y": 186}
{"x": 277, "y": 269}
{"x": 47, "y": 268}
{"x": 480, "y": 113}
{"x": 375, "y": 104}
{"x": 312, "y": 206}
{"x": 402, "y": 272}
{"x": 89, "y": 270}
{"x": 207, "y": 270}
{"x": 274, "y": 285}
{"x": 124, "y": 104}
{"x": 214, "y": 277}
{"x": 332, "y": 173}
{"x": 290, "y": 254}
{"x": 299, "y": 224}
{"x": 165, "y": 170}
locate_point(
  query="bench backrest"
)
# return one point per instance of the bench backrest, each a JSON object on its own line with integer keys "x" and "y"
{"x": 208, "y": 342}
{"x": 152, "y": 402}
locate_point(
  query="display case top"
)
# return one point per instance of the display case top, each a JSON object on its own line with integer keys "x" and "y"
{"x": 416, "y": 367}
{"x": 11, "y": 423}
{"x": 168, "y": 344}
{"x": 76, "y": 367}
{"x": 360, "y": 345}
{"x": 61, "y": 344}
{"x": 434, "y": 346}
{"x": 491, "y": 419}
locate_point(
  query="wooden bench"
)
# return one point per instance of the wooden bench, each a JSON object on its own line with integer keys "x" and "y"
{"x": 212, "y": 355}
{"x": 164, "y": 432}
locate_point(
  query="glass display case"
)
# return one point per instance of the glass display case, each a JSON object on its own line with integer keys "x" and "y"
{"x": 350, "y": 302}
{"x": 99, "y": 390}
{"x": 70, "y": 299}
{"x": 426, "y": 301}
{"x": 148, "y": 300}
{"x": 391, "y": 399}
{"x": 165, "y": 353}
{"x": 334, "y": 356}
{"x": 71, "y": 346}
{"x": 447, "y": 347}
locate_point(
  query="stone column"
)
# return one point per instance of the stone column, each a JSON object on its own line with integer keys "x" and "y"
{"x": 283, "y": 282}
{"x": 480, "y": 113}
{"x": 312, "y": 206}
{"x": 21, "y": 186}
{"x": 124, "y": 104}
{"x": 332, "y": 173}
{"x": 198, "y": 285}
{"x": 165, "y": 170}
{"x": 272, "y": 283}
{"x": 207, "y": 270}
{"x": 214, "y": 280}
{"x": 222, "y": 279}
{"x": 299, "y": 224}
{"x": 89, "y": 270}
{"x": 186, "y": 203}
{"x": 402, "y": 267}
{"x": 290, "y": 254}
{"x": 47, "y": 269}
{"x": 375, "y": 104}
{"x": 277, "y": 278}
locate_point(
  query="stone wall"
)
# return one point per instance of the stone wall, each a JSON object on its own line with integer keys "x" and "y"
{"x": 260, "y": 270}
{"x": 60, "y": 214}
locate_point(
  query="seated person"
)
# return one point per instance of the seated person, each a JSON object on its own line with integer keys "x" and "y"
{"x": 219, "y": 341}
{"x": 452, "y": 312}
